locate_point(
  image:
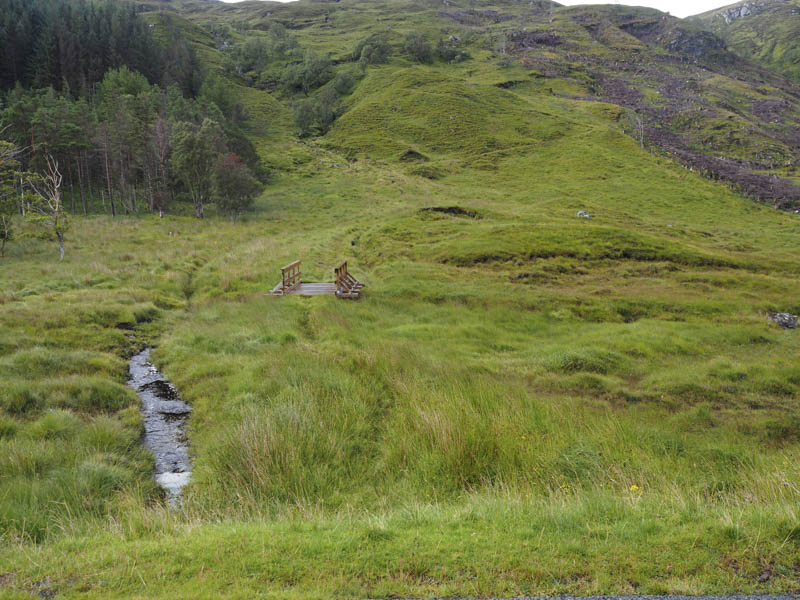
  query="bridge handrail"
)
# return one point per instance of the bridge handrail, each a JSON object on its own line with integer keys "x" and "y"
{"x": 291, "y": 276}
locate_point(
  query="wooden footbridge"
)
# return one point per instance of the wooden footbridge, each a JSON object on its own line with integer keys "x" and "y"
{"x": 344, "y": 286}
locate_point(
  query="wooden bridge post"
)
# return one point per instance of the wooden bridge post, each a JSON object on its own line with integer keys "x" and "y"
{"x": 290, "y": 276}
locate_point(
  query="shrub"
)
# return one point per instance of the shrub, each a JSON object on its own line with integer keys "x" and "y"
{"x": 314, "y": 116}
{"x": 305, "y": 113}
{"x": 344, "y": 82}
{"x": 419, "y": 48}
{"x": 314, "y": 72}
{"x": 372, "y": 50}
{"x": 235, "y": 188}
{"x": 450, "y": 54}
{"x": 327, "y": 108}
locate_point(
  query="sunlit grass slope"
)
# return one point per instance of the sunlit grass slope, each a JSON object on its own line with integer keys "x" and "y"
{"x": 523, "y": 401}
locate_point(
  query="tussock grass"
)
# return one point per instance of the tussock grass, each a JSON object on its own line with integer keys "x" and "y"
{"x": 525, "y": 403}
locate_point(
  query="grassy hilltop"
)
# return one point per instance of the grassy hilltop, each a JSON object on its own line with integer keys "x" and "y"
{"x": 523, "y": 401}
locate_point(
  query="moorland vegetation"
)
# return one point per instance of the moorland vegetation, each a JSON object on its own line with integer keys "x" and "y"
{"x": 523, "y": 401}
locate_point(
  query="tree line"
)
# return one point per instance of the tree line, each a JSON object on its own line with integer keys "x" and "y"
{"x": 71, "y": 44}
{"x": 137, "y": 137}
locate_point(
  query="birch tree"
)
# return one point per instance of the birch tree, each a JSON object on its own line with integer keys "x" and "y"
{"x": 45, "y": 205}
{"x": 194, "y": 153}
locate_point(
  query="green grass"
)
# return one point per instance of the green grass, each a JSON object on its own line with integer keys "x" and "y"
{"x": 523, "y": 402}
{"x": 407, "y": 442}
{"x": 768, "y": 35}
{"x": 499, "y": 545}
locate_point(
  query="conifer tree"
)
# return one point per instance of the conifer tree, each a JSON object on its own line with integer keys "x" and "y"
{"x": 9, "y": 166}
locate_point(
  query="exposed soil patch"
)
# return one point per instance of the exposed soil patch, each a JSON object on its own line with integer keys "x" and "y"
{"x": 413, "y": 156}
{"x": 771, "y": 110}
{"x": 454, "y": 211}
{"x": 508, "y": 84}
{"x": 530, "y": 39}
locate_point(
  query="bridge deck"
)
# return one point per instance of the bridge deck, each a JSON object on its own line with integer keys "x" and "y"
{"x": 307, "y": 289}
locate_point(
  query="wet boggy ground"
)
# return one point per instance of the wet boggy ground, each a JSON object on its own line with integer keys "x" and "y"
{"x": 164, "y": 416}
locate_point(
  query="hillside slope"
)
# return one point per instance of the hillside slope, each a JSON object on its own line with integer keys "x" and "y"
{"x": 681, "y": 90}
{"x": 767, "y": 31}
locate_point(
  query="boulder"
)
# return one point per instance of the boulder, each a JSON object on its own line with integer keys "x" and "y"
{"x": 783, "y": 320}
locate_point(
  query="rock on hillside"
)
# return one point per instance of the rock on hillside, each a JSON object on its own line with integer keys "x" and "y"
{"x": 767, "y": 31}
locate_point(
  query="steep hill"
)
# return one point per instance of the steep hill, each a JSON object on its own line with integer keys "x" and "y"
{"x": 767, "y": 31}
{"x": 679, "y": 89}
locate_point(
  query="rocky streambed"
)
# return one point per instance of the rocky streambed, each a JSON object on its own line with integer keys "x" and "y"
{"x": 165, "y": 417}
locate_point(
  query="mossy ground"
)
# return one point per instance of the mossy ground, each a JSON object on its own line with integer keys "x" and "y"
{"x": 523, "y": 402}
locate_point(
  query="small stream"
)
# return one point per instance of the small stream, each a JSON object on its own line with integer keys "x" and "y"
{"x": 164, "y": 416}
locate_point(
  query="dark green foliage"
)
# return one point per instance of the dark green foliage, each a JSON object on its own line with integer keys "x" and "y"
{"x": 107, "y": 123}
{"x": 314, "y": 116}
{"x": 260, "y": 60}
{"x": 305, "y": 116}
{"x": 328, "y": 107}
{"x": 71, "y": 44}
{"x": 372, "y": 50}
{"x": 313, "y": 72}
{"x": 117, "y": 142}
{"x": 344, "y": 82}
{"x": 8, "y": 196}
{"x": 235, "y": 188}
{"x": 194, "y": 152}
{"x": 181, "y": 66}
{"x": 418, "y": 47}
{"x": 450, "y": 53}
{"x": 123, "y": 142}
{"x": 217, "y": 91}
